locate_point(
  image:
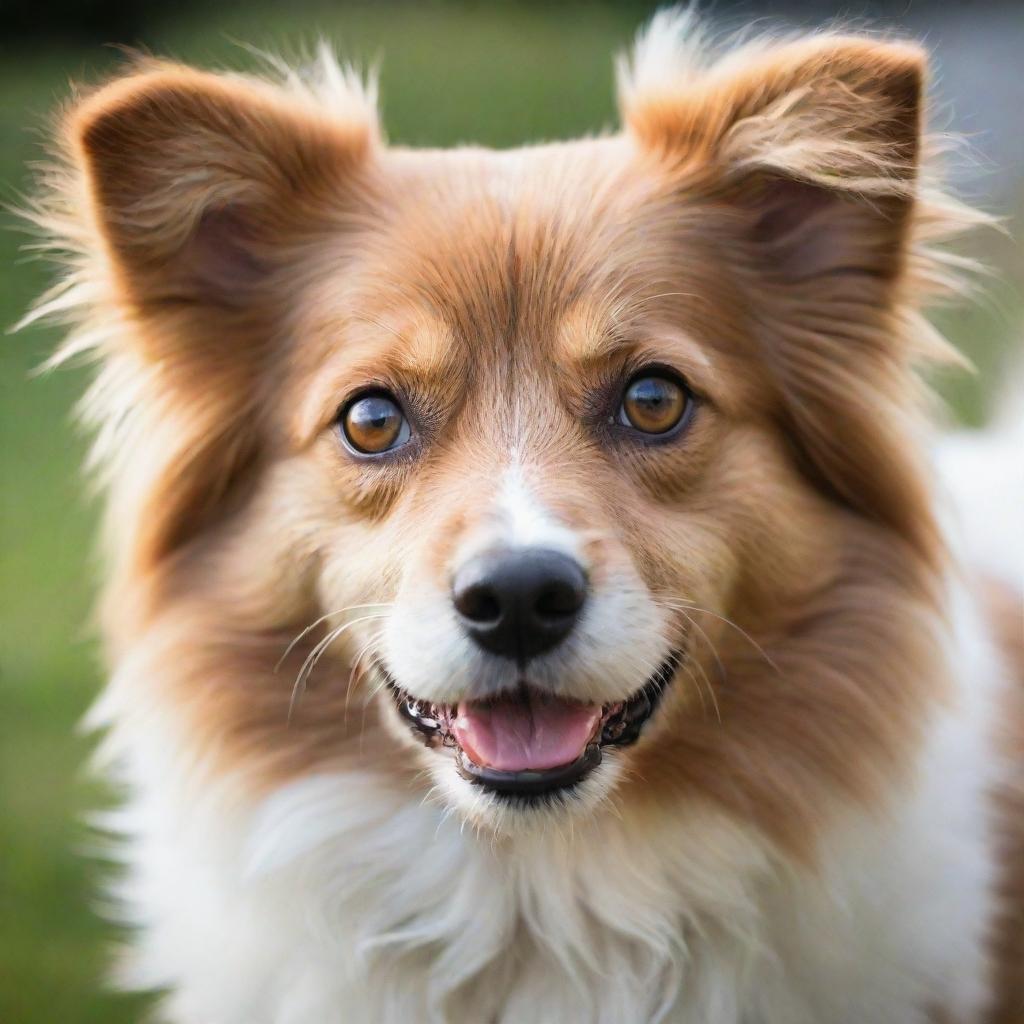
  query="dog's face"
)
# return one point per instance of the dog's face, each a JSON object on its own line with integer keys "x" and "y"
{"x": 548, "y": 438}
{"x": 527, "y": 432}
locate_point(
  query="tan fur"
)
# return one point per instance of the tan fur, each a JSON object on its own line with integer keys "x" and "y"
{"x": 1006, "y": 611}
{"x": 248, "y": 254}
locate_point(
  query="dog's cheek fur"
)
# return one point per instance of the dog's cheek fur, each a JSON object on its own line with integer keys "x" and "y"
{"x": 804, "y": 531}
{"x": 819, "y": 693}
{"x": 215, "y": 656}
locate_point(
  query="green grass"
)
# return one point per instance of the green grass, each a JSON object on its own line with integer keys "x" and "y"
{"x": 498, "y": 74}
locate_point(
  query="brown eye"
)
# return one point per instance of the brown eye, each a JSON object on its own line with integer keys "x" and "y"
{"x": 654, "y": 404}
{"x": 374, "y": 424}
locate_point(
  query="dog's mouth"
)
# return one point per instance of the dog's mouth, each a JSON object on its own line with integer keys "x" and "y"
{"x": 528, "y": 743}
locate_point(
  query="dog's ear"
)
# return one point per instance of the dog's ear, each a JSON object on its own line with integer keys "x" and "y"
{"x": 800, "y": 161}
{"x": 203, "y": 203}
{"x": 200, "y": 184}
{"x": 815, "y": 143}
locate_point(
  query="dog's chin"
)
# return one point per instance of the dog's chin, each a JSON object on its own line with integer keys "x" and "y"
{"x": 526, "y": 757}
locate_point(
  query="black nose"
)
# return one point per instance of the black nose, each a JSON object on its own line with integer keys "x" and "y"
{"x": 519, "y": 602}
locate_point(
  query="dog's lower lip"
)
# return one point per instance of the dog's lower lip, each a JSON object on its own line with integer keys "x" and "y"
{"x": 529, "y": 783}
{"x": 620, "y": 725}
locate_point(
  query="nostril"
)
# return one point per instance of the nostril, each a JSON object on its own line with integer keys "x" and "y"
{"x": 478, "y": 604}
{"x": 559, "y": 599}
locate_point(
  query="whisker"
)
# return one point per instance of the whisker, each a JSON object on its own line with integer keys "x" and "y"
{"x": 324, "y": 618}
{"x": 314, "y": 656}
{"x": 377, "y": 688}
{"x": 366, "y": 704}
{"x": 697, "y": 687}
{"x": 680, "y": 604}
{"x": 707, "y": 686}
{"x": 714, "y": 651}
{"x": 356, "y": 673}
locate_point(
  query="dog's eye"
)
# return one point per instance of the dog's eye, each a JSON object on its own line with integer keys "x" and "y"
{"x": 654, "y": 403}
{"x": 373, "y": 424}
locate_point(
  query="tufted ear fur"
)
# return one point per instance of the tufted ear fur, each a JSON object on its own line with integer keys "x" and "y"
{"x": 817, "y": 141}
{"x": 200, "y": 182}
{"x": 193, "y": 204}
{"x": 803, "y": 159}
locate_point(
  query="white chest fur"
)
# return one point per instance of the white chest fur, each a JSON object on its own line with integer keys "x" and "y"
{"x": 342, "y": 899}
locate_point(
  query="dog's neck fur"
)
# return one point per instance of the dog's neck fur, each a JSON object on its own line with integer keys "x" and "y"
{"x": 348, "y": 895}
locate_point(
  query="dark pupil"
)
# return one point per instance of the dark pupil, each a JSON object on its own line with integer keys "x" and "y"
{"x": 651, "y": 395}
{"x": 375, "y": 414}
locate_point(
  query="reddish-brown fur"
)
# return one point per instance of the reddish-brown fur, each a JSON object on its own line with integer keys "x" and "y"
{"x": 1006, "y": 612}
{"x": 764, "y": 229}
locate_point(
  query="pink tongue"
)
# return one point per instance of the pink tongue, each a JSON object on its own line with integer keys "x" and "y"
{"x": 522, "y": 732}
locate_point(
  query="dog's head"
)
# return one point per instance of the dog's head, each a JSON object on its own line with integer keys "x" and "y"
{"x": 563, "y": 451}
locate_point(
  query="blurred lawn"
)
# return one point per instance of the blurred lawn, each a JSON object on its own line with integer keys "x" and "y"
{"x": 497, "y": 74}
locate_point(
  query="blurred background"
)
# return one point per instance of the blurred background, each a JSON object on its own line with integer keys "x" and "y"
{"x": 500, "y": 73}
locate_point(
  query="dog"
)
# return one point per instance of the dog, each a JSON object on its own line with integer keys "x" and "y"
{"x": 531, "y": 596}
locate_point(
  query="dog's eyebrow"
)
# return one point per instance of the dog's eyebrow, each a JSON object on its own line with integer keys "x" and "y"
{"x": 423, "y": 351}
{"x": 594, "y": 333}
{"x": 422, "y": 355}
{"x": 587, "y": 334}
{"x": 377, "y": 322}
{"x": 589, "y": 337}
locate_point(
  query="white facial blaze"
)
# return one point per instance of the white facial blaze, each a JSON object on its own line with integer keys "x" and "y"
{"x": 519, "y": 519}
{"x": 527, "y": 521}
{"x": 619, "y": 640}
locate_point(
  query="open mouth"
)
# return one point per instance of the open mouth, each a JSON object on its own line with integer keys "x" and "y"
{"x": 528, "y": 743}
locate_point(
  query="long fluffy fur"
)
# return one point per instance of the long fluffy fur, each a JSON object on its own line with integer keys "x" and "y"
{"x": 792, "y": 864}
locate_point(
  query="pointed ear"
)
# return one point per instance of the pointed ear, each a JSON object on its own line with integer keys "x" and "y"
{"x": 816, "y": 142}
{"x": 200, "y": 201}
{"x": 800, "y": 162}
{"x": 198, "y": 182}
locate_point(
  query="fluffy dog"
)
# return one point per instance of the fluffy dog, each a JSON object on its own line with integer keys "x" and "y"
{"x": 529, "y": 596}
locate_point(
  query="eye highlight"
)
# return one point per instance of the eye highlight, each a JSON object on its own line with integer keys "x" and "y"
{"x": 373, "y": 424}
{"x": 654, "y": 403}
